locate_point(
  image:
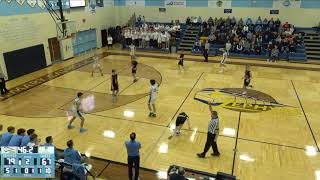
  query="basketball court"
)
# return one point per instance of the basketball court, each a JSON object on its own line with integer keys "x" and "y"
{"x": 255, "y": 142}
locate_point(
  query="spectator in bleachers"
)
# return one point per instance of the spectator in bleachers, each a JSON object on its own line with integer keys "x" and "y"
{"x": 240, "y": 22}
{"x": 71, "y": 155}
{"x": 159, "y": 39}
{"x": 265, "y": 22}
{"x": 233, "y": 21}
{"x": 259, "y": 21}
{"x": 197, "y": 45}
{"x": 199, "y": 20}
{"x": 188, "y": 21}
{"x": 278, "y": 23}
{"x": 26, "y": 139}
{"x": 246, "y": 47}
{"x": 34, "y": 141}
{"x": 5, "y": 138}
{"x": 239, "y": 48}
{"x": 17, "y": 138}
{"x": 143, "y": 19}
{"x": 210, "y": 21}
{"x": 49, "y": 142}
{"x": 249, "y": 22}
{"x": 143, "y": 38}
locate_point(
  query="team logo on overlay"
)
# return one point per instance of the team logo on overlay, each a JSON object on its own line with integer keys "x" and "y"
{"x": 238, "y": 99}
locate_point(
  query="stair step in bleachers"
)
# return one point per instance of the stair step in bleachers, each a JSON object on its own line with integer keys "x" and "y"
{"x": 189, "y": 38}
{"x": 312, "y": 40}
{"x": 307, "y": 38}
{"x": 313, "y": 53}
{"x": 313, "y": 57}
{"x": 313, "y": 48}
{"x": 311, "y": 34}
{"x": 312, "y": 45}
{"x": 186, "y": 45}
{"x": 317, "y": 43}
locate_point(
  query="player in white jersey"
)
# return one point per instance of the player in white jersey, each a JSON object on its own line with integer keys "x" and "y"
{"x": 152, "y": 98}
{"x": 223, "y": 60}
{"x": 77, "y": 112}
{"x": 132, "y": 51}
{"x": 96, "y": 65}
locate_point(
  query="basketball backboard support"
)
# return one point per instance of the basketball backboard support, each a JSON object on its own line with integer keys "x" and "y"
{"x": 66, "y": 29}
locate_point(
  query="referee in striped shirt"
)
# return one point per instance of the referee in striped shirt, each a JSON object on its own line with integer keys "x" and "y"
{"x": 212, "y": 136}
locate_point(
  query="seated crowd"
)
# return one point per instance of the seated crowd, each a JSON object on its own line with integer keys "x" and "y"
{"x": 30, "y": 138}
{"x": 149, "y": 35}
{"x": 264, "y": 37}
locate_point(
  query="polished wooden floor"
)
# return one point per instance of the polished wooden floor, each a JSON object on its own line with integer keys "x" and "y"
{"x": 278, "y": 144}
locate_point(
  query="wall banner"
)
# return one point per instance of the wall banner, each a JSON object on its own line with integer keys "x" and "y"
{"x": 175, "y": 3}
{"x": 219, "y": 3}
{"x": 135, "y": 2}
{"x": 286, "y": 4}
{"x": 108, "y": 3}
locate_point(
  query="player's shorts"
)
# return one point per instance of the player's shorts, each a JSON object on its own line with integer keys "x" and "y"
{"x": 115, "y": 87}
{"x": 77, "y": 113}
{"x": 152, "y": 100}
{"x": 131, "y": 53}
{"x": 133, "y": 71}
{"x": 246, "y": 82}
{"x": 180, "y": 63}
{"x": 95, "y": 66}
{"x": 180, "y": 120}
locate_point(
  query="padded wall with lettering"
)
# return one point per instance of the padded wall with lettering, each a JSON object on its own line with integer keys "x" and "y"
{"x": 24, "y": 61}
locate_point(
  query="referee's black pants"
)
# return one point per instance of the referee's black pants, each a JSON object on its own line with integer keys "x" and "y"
{"x": 133, "y": 161}
{"x": 211, "y": 143}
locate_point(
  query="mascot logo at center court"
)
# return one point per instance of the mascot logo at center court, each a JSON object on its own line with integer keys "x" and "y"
{"x": 238, "y": 99}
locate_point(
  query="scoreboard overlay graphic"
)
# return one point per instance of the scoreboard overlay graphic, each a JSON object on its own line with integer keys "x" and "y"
{"x": 27, "y": 161}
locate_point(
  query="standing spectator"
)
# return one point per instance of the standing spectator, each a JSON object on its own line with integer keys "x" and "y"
{"x": 5, "y": 138}
{"x": 26, "y": 139}
{"x": 228, "y": 46}
{"x": 205, "y": 55}
{"x": 3, "y": 88}
{"x": 147, "y": 39}
{"x": 49, "y": 142}
{"x": 213, "y": 133}
{"x": 126, "y": 37}
{"x": 110, "y": 40}
{"x": 16, "y": 139}
{"x": 139, "y": 34}
{"x": 274, "y": 54}
{"x": 133, "y": 148}
{"x": 207, "y": 46}
{"x": 159, "y": 40}
{"x": 143, "y": 37}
